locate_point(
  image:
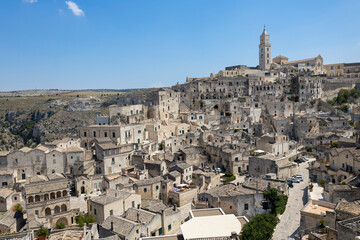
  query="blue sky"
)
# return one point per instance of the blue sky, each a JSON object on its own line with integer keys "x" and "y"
{"x": 117, "y": 44}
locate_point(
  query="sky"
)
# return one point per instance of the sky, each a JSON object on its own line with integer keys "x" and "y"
{"x": 121, "y": 44}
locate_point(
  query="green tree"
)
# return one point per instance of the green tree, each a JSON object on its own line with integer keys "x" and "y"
{"x": 87, "y": 219}
{"x": 278, "y": 201}
{"x": 261, "y": 227}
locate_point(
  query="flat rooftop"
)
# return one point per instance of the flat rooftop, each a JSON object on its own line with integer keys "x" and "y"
{"x": 219, "y": 226}
{"x": 206, "y": 212}
{"x": 318, "y": 207}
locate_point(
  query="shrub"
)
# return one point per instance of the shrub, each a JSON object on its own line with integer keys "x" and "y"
{"x": 322, "y": 183}
{"x": 261, "y": 227}
{"x": 334, "y": 145}
{"x": 60, "y": 226}
{"x": 18, "y": 208}
{"x": 42, "y": 232}
{"x": 229, "y": 179}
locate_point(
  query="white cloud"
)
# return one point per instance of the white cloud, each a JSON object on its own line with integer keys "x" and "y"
{"x": 75, "y": 9}
{"x": 30, "y": 1}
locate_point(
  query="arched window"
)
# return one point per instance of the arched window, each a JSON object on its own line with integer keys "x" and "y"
{"x": 56, "y": 209}
{"x": 58, "y": 194}
{"x": 63, "y": 208}
{"x": 46, "y": 197}
{"x": 47, "y": 211}
{"x": 37, "y": 198}
{"x": 64, "y": 193}
{"x": 31, "y": 199}
{"x": 52, "y": 195}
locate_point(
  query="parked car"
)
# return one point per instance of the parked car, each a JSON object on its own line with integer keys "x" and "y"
{"x": 294, "y": 180}
{"x": 301, "y": 160}
{"x": 299, "y": 177}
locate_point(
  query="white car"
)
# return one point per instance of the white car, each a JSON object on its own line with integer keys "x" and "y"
{"x": 299, "y": 177}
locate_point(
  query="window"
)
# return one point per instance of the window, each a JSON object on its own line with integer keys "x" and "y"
{"x": 15, "y": 161}
{"x": 113, "y": 160}
{"x": 94, "y": 211}
{"x": 38, "y": 158}
{"x": 84, "y": 134}
{"x": 133, "y": 204}
{"x": 169, "y": 227}
{"x": 145, "y": 189}
{"x": 54, "y": 161}
{"x": 111, "y": 212}
{"x": 157, "y": 187}
{"x": 94, "y": 133}
{"x": 105, "y": 134}
{"x": 246, "y": 206}
{"x": 347, "y": 156}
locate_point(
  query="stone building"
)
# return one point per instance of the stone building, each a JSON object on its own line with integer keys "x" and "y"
{"x": 307, "y": 88}
{"x": 234, "y": 199}
{"x": 128, "y": 114}
{"x": 352, "y": 70}
{"x": 185, "y": 169}
{"x": 9, "y": 198}
{"x": 269, "y": 163}
{"x": 120, "y": 134}
{"x": 335, "y": 70}
{"x": 148, "y": 188}
{"x": 277, "y": 144}
{"x": 313, "y": 212}
{"x": 113, "y": 202}
{"x": 48, "y": 201}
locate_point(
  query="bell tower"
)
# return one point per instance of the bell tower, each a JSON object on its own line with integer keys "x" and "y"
{"x": 264, "y": 51}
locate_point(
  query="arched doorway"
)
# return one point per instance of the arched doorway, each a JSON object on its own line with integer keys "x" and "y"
{"x": 82, "y": 190}
{"x": 62, "y": 220}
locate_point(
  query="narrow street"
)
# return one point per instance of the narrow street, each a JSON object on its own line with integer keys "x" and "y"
{"x": 289, "y": 223}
